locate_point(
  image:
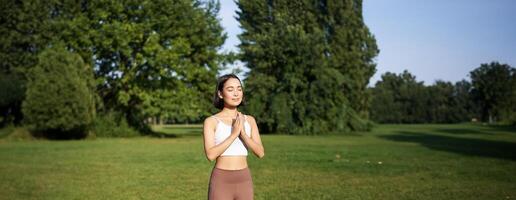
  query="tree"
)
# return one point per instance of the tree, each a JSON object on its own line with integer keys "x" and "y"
{"x": 145, "y": 51}
{"x": 24, "y": 34}
{"x": 60, "y": 100}
{"x": 351, "y": 49}
{"x": 443, "y": 104}
{"x": 141, "y": 51}
{"x": 466, "y": 109}
{"x": 399, "y": 99}
{"x": 308, "y": 68}
{"x": 12, "y": 93}
{"x": 510, "y": 113}
{"x": 492, "y": 85}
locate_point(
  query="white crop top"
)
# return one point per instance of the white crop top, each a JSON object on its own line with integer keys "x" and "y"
{"x": 223, "y": 131}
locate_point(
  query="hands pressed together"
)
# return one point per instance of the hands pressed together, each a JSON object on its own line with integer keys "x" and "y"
{"x": 238, "y": 125}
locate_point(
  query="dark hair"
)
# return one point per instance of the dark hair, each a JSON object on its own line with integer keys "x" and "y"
{"x": 217, "y": 101}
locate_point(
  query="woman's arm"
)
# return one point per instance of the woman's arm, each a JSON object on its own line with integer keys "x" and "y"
{"x": 254, "y": 142}
{"x": 211, "y": 150}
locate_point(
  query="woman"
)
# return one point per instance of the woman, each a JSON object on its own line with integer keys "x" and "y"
{"x": 227, "y": 137}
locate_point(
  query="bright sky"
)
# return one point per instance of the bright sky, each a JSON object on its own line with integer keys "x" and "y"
{"x": 438, "y": 39}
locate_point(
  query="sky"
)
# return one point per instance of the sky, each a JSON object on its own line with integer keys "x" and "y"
{"x": 433, "y": 40}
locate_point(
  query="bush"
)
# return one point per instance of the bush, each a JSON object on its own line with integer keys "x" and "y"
{"x": 59, "y": 100}
{"x": 20, "y": 134}
{"x": 113, "y": 124}
{"x": 6, "y": 131}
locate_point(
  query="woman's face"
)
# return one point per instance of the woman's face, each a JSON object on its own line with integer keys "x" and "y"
{"x": 232, "y": 92}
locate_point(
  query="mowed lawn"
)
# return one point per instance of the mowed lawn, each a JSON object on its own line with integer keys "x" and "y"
{"x": 465, "y": 161}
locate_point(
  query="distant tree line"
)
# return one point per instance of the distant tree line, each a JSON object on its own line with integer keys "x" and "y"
{"x": 490, "y": 96}
{"x": 68, "y": 68}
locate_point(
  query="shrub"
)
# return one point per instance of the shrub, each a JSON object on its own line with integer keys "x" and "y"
{"x": 59, "y": 100}
{"x": 113, "y": 124}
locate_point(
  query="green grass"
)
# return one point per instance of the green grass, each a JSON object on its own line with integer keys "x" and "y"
{"x": 464, "y": 161}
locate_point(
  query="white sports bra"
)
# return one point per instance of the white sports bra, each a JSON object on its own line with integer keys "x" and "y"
{"x": 223, "y": 131}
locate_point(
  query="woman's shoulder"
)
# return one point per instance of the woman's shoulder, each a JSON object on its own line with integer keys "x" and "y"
{"x": 250, "y": 117}
{"x": 210, "y": 119}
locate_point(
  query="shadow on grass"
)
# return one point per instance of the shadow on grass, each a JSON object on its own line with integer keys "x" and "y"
{"x": 461, "y": 131}
{"x": 465, "y": 146}
{"x": 57, "y": 134}
{"x": 504, "y": 128}
{"x": 479, "y": 129}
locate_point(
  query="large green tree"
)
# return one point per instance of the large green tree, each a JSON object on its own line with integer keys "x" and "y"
{"x": 24, "y": 34}
{"x": 156, "y": 58}
{"x": 150, "y": 58}
{"x": 351, "y": 49}
{"x": 309, "y": 61}
{"x": 493, "y": 89}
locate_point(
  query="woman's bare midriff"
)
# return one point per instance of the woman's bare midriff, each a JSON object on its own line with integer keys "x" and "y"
{"x": 231, "y": 162}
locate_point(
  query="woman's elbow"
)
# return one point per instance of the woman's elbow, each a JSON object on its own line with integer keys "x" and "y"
{"x": 261, "y": 155}
{"x": 210, "y": 157}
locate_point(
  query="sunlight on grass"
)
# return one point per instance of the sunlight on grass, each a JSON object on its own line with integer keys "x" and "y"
{"x": 393, "y": 162}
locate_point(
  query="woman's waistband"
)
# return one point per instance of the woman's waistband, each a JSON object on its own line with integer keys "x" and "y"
{"x": 231, "y": 176}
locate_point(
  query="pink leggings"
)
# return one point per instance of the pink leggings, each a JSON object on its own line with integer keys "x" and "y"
{"x": 230, "y": 184}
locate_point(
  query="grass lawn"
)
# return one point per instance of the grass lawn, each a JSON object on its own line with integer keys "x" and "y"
{"x": 464, "y": 161}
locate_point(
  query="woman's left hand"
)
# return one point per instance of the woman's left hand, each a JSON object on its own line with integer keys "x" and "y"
{"x": 242, "y": 120}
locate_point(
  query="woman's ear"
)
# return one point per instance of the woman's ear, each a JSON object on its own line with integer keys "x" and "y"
{"x": 220, "y": 96}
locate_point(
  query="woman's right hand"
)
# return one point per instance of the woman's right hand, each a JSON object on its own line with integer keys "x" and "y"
{"x": 236, "y": 126}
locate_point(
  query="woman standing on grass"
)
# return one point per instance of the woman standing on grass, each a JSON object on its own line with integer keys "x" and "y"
{"x": 227, "y": 136}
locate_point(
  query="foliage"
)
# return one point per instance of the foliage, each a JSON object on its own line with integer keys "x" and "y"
{"x": 490, "y": 96}
{"x": 141, "y": 52}
{"x": 402, "y": 99}
{"x": 310, "y": 62}
{"x": 112, "y": 124}
{"x": 6, "y": 131}
{"x": 12, "y": 89}
{"x": 24, "y": 35}
{"x": 60, "y": 99}
{"x": 509, "y": 114}
{"x": 493, "y": 86}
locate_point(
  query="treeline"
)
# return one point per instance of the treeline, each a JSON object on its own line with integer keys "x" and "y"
{"x": 68, "y": 67}
{"x": 490, "y": 96}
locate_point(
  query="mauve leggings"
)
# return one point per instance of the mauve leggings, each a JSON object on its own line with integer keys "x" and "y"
{"x": 230, "y": 184}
